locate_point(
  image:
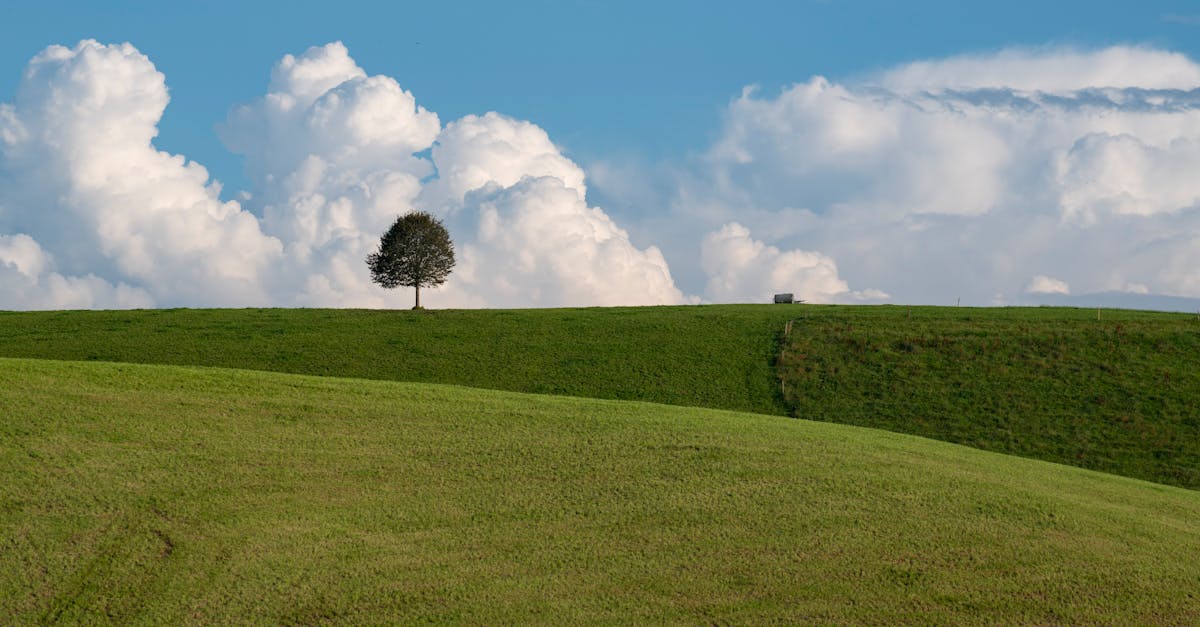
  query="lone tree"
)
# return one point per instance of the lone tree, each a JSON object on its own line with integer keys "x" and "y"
{"x": 415, "y": 252}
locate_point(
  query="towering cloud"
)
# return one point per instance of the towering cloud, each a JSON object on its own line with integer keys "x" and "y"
{"x": 333, "y": 155}
{"x": 330, "y": 152}
{"x": 91, "y": 214}
{"x": 494, "y": 150}
{"x": 531, "y": 238}
{"x": 538, "y": 243}
{"x": 967, "y": 176}
{"x": 82, "y": 180}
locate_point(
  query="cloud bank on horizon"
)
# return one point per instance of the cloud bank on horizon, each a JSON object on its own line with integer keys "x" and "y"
{"x": 990, "y": 177}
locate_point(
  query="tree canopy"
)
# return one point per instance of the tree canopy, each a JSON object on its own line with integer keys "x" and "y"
{"x": 415, "y": 252}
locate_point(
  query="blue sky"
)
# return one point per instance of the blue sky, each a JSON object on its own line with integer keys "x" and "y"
{"x": 919, "y": 152}
{"x": 621, "y": 78}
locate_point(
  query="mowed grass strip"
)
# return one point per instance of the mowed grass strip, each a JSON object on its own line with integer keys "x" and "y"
{"x": 1120, "y": 394}
{"x": 152, "y": 494}
{"x": 699, "y": 356}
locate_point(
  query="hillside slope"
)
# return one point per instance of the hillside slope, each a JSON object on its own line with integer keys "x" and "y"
{"x": 179, "y": 495}
{"x": 701, "y": 356}
{"x": 1120, "y": 394}
{"x": 1116, "y": 394}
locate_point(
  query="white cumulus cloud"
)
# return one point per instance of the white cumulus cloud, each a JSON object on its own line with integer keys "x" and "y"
{"x": 964, "y": 177}
{"x": 537, "y": 243}
{"x": 1124, "y": 174}
{"x": 330, "y": 151}
{"x": 494, "y": 149}
{"x": 93, "y": 215}
{"x": 333, "y": 154}
{"x": 1049, "y": 70}
{"x": 27, "y": 281}
{"x": 83, "y": 180}
{"x": 938, "y": 179}
{"x": 1042, "y": 284}
{"x": 743, "y": 269}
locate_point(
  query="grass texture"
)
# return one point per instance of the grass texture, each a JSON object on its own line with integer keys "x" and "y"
{"x": 140, "y": 494}
{"x": 1117, "y": 394}
{"x": 1120, "y": 394}
{"x": 700, "y": 356}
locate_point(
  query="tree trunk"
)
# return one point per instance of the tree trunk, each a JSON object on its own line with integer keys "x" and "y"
{"x": 418, "y": 305}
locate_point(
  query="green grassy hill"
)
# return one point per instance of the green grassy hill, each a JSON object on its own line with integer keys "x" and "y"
{"x": 701, "y": 356}
{"x": 173, "y": 495}
{"x": 1120, "y": 394}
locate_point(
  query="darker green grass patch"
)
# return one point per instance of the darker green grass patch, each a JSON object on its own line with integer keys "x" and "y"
{"x": 1119, "y": 394}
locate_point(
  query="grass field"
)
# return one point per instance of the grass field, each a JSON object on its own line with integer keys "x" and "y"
{"x": 701, "y": 356}
{"x": 152, "y": 494}
{"x": 1120, "y": 394}
{"x": 1116, "y": 394}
